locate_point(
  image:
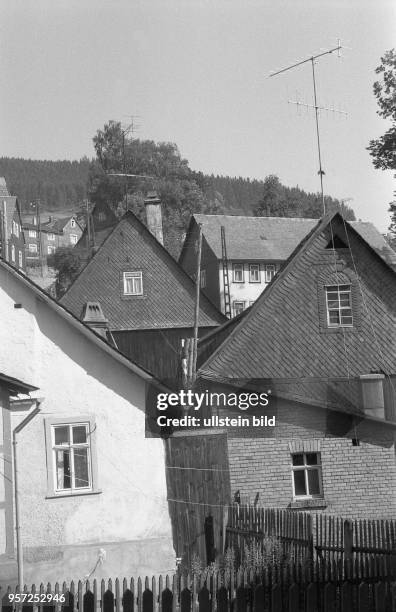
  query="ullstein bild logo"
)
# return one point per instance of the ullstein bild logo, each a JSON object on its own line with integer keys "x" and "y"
{"x": 177, "y": 403}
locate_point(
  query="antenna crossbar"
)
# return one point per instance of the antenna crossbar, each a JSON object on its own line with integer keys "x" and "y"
{"x": 323, "y": 108}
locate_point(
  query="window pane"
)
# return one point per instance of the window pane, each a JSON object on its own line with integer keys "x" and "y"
{"x": 79, "y": 434}
{"x": 346, "y": 320}
{"x": 81, "y": 472}
{"x": 345, "y": 300}
{"x": 299, "y": 482}
{"x": 313, "y": 482}
{"x": 312, "y": 458}
{"x": 298, "y": 459}
{"x": 62, "y": 435}
{"x": 334, "y": 317}
{"x": 63, "y": 480}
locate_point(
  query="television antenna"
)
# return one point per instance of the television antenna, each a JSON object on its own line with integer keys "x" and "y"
{"x": 315, "y": 105}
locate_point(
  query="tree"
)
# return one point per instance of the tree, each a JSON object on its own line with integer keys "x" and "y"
{"x": 67, "y": 264}
{"x": 383, "y": 149}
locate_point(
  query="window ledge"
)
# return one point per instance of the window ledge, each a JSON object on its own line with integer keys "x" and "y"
{"x": 308, "y": 503}
{"x": 73, "y": 494}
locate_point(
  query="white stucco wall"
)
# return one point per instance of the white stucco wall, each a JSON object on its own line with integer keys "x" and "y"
{"x": 75, "y": 377}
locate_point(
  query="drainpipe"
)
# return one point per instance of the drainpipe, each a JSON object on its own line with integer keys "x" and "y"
{"x": 17, "y": 429}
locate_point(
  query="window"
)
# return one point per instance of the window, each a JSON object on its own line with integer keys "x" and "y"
{"x": 32, "y": 248}
{"x": 71, "y": 456}
{"x": 20, "y": 259}
{"x": 203, "y": 279}
{"x": 237, "y": 273}
{"x": 269, "y": 272}
{"x": 254, "y": 273}
{"x": 32, "y": 234}
{"x": 72, "y": 223}
{"x": 73, "y": 238}
{"x": 15, "y": 229}
{"x": 133, "y": 283}
{"x": 51, "y": 249}
{"x": 101, "y": 216}
{"x": 238, "y": 308}
{"x": 307, "y": 475}
{"x": 339, "y": 306}
{"x": 13, "y": 253}
{"x": 51, "y": 237}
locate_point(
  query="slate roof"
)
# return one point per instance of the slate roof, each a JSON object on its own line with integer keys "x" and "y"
{"x": 280, "y": 337}
{"x": 273, "y": 238}
{"x": 168, "y": 292}
{"x": 3, "y": 188}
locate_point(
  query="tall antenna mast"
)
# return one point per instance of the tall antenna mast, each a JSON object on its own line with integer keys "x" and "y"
{"x": 316, "y": 107}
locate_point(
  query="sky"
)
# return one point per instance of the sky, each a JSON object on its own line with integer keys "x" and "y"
{"x": 196, "y": 72}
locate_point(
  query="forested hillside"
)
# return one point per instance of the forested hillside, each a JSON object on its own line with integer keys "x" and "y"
{"x": 64, "y": 184}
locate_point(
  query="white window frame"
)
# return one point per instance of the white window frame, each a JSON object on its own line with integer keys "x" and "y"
{"x": 203, "y": 279}
{"x": 20, "y": 259}
{"x": 235, "y": 309}
{"x": 32, "y": 246}
{"x": 238, "y": 268}
{"x": 131, "y": 275}
{"x": 13, "y": 253}
{"x": 32, "y": 233}
{"x": 72, "y": 223}
{"x": 270, "y": 271}
{"x": 51, "y": 249}
{"x": 50, "y": 424}
{"x": 73, "y": 238}
{"x": 341, "y": 290}
{"x": 305, "y": 467}
{"x": 254, "y": 268}
{"x": 51, "y": 237}
{"x": 15, "y": 229}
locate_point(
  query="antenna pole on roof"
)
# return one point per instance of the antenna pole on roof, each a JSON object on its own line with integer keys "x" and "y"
{"x": 196, "y": 311}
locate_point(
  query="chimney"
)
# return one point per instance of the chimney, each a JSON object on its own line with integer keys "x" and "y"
{"x": 154, "y": 215}
{"x": 372, "y": 395}
{"x": 92, "y": 315}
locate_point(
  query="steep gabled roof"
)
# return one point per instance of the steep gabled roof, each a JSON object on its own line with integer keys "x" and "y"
{"x": 3, "y": 188}
{"x": 168, "y": 292}
{"x": 279, "y": 336}
{"x": 57, "y": 225}
{"x": 74, "y": 321}
{"x": 272, "y": 238}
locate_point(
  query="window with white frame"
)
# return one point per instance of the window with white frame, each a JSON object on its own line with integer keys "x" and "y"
{"x": 32, "y": 234}
{"x": 50, "y": 249}
{"x": 102, "y": 216}
{"x": 339, "y": 306}
{"x": 32, "y": 247}
{"x": 269, "y": 272}
{"x": 15, "y": 229}
{"x": 20, "y": 259}
{"x": 133, "y": 283}
{"x": 51, "y": 237}
{"x": 254, "y": 273}
{"x": 203, "y": 279}
{"x": 238, "y": 307}
{"x": 72, "y": 223}
{"x": 237, "y": 273}
{"x": 71, "y": 455}
{"x": 73, "y": 238}
{"x": 307, "y": 475}
{"x": 13, "y": 253}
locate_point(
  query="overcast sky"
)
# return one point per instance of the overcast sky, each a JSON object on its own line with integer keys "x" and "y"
{"x": 196, "y": 72}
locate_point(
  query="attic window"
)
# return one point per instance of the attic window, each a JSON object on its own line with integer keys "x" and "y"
{"x": 133, "y": 283}
{"x": 339, "y": 306}
{"x": 336, "y": 243}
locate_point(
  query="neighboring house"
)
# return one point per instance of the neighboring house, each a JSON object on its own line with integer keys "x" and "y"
{"x": 256, "y": 248}
{"x": 100, "y": 223}
{"x": 88, "y": 477}
{"x": 45, "y": 237}
{"x": 144, "y": 294}
{"x": 320, "y": 341}
{"x": 12, "y": 243}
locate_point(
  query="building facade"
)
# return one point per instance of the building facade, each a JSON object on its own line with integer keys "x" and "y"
{"x": 42, "y": 239}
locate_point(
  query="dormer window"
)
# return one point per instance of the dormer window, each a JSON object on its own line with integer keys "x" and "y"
{"x": 339, "y": 306}
{"x": 133, "y": 283}
{"x": 72, "y": 223}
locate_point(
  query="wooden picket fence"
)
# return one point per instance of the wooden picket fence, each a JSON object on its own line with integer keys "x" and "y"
{"x": 304, "y": 535}
{"x": 295, "y": 587}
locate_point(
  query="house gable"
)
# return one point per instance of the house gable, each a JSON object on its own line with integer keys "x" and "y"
{"x": 286, "y": 335}
{"x": 166, "y": 295}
